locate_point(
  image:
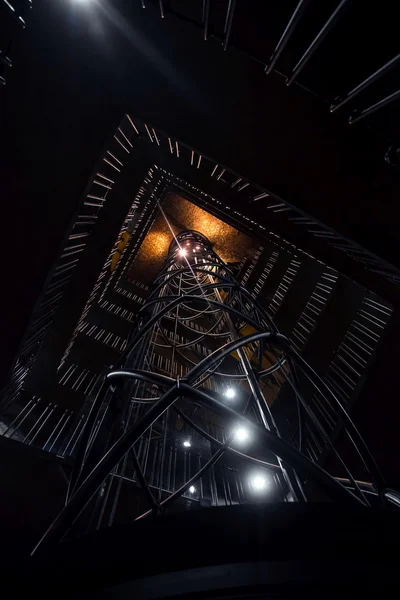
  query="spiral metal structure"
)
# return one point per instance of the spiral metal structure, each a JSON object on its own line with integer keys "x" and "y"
{"x": 202, "y": 370}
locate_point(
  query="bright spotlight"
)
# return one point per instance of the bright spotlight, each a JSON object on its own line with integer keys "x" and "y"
{"x": 182, "y": 252}
{"x": 192, "y": 489}
{"x": 241, "y": 434}
{"x": 229, "y": 393}
{"x": 187, "y": 444}
{"x": 258, "y": 483}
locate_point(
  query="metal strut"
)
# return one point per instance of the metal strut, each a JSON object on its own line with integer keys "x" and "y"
{"x": 217, "y": 336}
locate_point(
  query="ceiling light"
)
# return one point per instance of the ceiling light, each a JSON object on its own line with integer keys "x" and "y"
{"x": 187, "y": 444}
{"x": 229, "y": 393}
{"x": 241, "y": 434}
{"x": 258, "y": 483}
{"x": 192, "y": 489}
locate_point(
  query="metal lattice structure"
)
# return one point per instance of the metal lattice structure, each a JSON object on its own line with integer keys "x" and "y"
{"x": 159, "y": 164}
{"x": 221, "y": 384}
{"x": 201, "y": 371}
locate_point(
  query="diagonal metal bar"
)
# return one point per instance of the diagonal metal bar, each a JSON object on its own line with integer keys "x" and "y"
{"x": 143, "y": 483}
{"x": 228, "y": 22}
{"x": 375, "y": 107}
{"x": 395, "y": 61}
{"x": 206, "y": 18}
{"x": 316, "y": 42}
{"x": 287, "y": 34}
{"x": 85, "y": 492}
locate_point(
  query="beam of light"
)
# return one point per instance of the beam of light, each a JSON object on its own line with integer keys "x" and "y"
{"x": 165, "y": 67}
{"x": 182, "y": 251}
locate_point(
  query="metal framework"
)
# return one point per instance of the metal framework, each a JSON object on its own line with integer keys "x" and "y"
{"x": 162, "y": 424}
{"x": 295, "y": 22}
{"x": 157, "y": 161}
{"x": 215, "y": 342}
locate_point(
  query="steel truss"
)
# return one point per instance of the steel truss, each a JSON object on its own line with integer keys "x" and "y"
{"x": 196, "y": 293}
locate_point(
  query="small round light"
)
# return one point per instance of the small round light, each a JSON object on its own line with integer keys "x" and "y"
{"x": 182, "y": 252}
{"x": 192, "y": 489}
{"x": 187, "y": 444}
{"x": 229, "y": 393}
{"x": 241, "y": 434}
{"x": 258, "y": 483}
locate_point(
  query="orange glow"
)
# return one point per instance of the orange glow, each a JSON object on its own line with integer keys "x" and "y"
{"x": 229, "y": 243}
